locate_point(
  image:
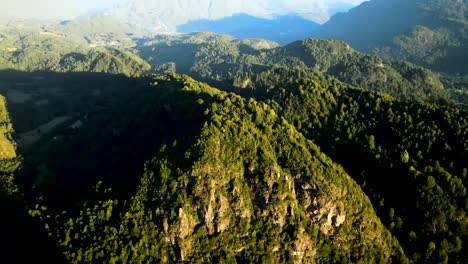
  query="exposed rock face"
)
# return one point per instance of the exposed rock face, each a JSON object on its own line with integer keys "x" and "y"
{"x": 186, "y": 227}
{"x": 186, "y": 224}
{"x": 328, "y": 215}
{"x": 233, "y": 192}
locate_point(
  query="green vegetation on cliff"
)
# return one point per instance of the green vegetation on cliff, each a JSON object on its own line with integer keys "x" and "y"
{"x": 409, "y": 158}
{"x": 244, "y": 185}
{"x": 312, "y": 152}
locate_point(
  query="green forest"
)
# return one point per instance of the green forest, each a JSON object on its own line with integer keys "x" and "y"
{"x": 431, "y": 33}
{"x": 202, "y": 148}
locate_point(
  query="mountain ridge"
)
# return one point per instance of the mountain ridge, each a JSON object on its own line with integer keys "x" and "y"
{"x": 205, "y": 148}
{"x": 221, "y": 197}
{"x": 431, "y": 33}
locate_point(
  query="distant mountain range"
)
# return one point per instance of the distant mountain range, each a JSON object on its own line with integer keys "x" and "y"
{"x": 281, "y": 29}
{"x": 165, "y": 15}
{"x": 279, "y": 21}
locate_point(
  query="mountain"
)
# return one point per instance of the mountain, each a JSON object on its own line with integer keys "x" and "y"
{"x": 219, "y": 169}
{"x": 164, "y": 16}
{"x": 386, "y": 145}
{"x": 312, "y": 152}
{"x": 281, "y": 21}
{"x": 19, "y": 231}
{"x": 281, "y": 29}
{"x": 100, "y": 24}
{"x": 431, "y": 33}
{"x": 30, "y": 49}
{"x": 173, "y": 170}
{"x": 217, "y": 58}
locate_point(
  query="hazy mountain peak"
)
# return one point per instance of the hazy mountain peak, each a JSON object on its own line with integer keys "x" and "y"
{"x": 166, "y": 15}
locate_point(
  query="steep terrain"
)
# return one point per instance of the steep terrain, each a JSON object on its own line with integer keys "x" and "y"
{"x": 410, "y": 159}
{"x": 181, "y": 170}
{"x": 218, "y": 58}
{"x": 8, "y": 157}
{"x": 164, "y": 16}
{"x": 20, "y": 233}
{"x": 308, "y": 153}
{"x": 242, "y": 174}
{"x": 431, "y": 33}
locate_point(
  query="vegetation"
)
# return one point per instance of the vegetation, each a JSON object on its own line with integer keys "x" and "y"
{"x": 312, "y": 152}
{"x": 20, "y": 232}
{"x": 220, "y": 168}
{"x": 8, "y": 159}
{"x": 420, "y": 150}
{"x": 431, "y": 33}
{"x": 246, "y": 175}
{"x": 221, "y": 61}
{"x": 31, "y": 50}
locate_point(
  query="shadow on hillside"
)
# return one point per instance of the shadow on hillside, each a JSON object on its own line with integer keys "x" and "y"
{"x": 114, "y": 125}
{"x": 36, "y": 97}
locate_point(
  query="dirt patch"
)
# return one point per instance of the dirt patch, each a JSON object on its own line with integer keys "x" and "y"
{"x": 51, "y": 34}
{"x": 28, "y": 138}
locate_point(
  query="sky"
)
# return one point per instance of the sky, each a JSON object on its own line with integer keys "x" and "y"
{"x": 67, "y": 9}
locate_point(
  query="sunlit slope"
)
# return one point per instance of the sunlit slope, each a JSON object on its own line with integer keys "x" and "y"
{"x": 218, "y": 58}
{"x": 240, "y": 183}
{"x": 34, "y": 50}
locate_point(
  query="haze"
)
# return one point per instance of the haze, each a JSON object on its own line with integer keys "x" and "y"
{"x": 316, "y": 10}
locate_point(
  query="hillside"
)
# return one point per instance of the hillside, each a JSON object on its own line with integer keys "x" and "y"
{"x": 29, "y": 49}
{"x": 238, "y": 175}
{"x": 293, "y": 177}
{"x": 8, "y": 156}
{"x": 203, "y": 148}
{"x": 430, "y": 33}
{"x": 19, "y": 231}
{"x": 217, "y": 58}
{"x": 420, "y": 150}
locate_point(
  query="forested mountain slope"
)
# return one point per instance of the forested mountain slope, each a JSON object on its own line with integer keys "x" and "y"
{"x": 410, "y": 158}
{"x": 34, "y": 50}
{"x": 8, "y": 157}
{"x": 217, "y": 58}
{"x": 312, "y": 152}
{"x": 181, "y": 170}
{"x": 20, "y": 233}
{"x": 431, "y": 33}
{"x": 232, "y": 181}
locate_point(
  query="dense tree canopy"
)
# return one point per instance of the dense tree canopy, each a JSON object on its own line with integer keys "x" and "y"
{"x": 311, "y": 152}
